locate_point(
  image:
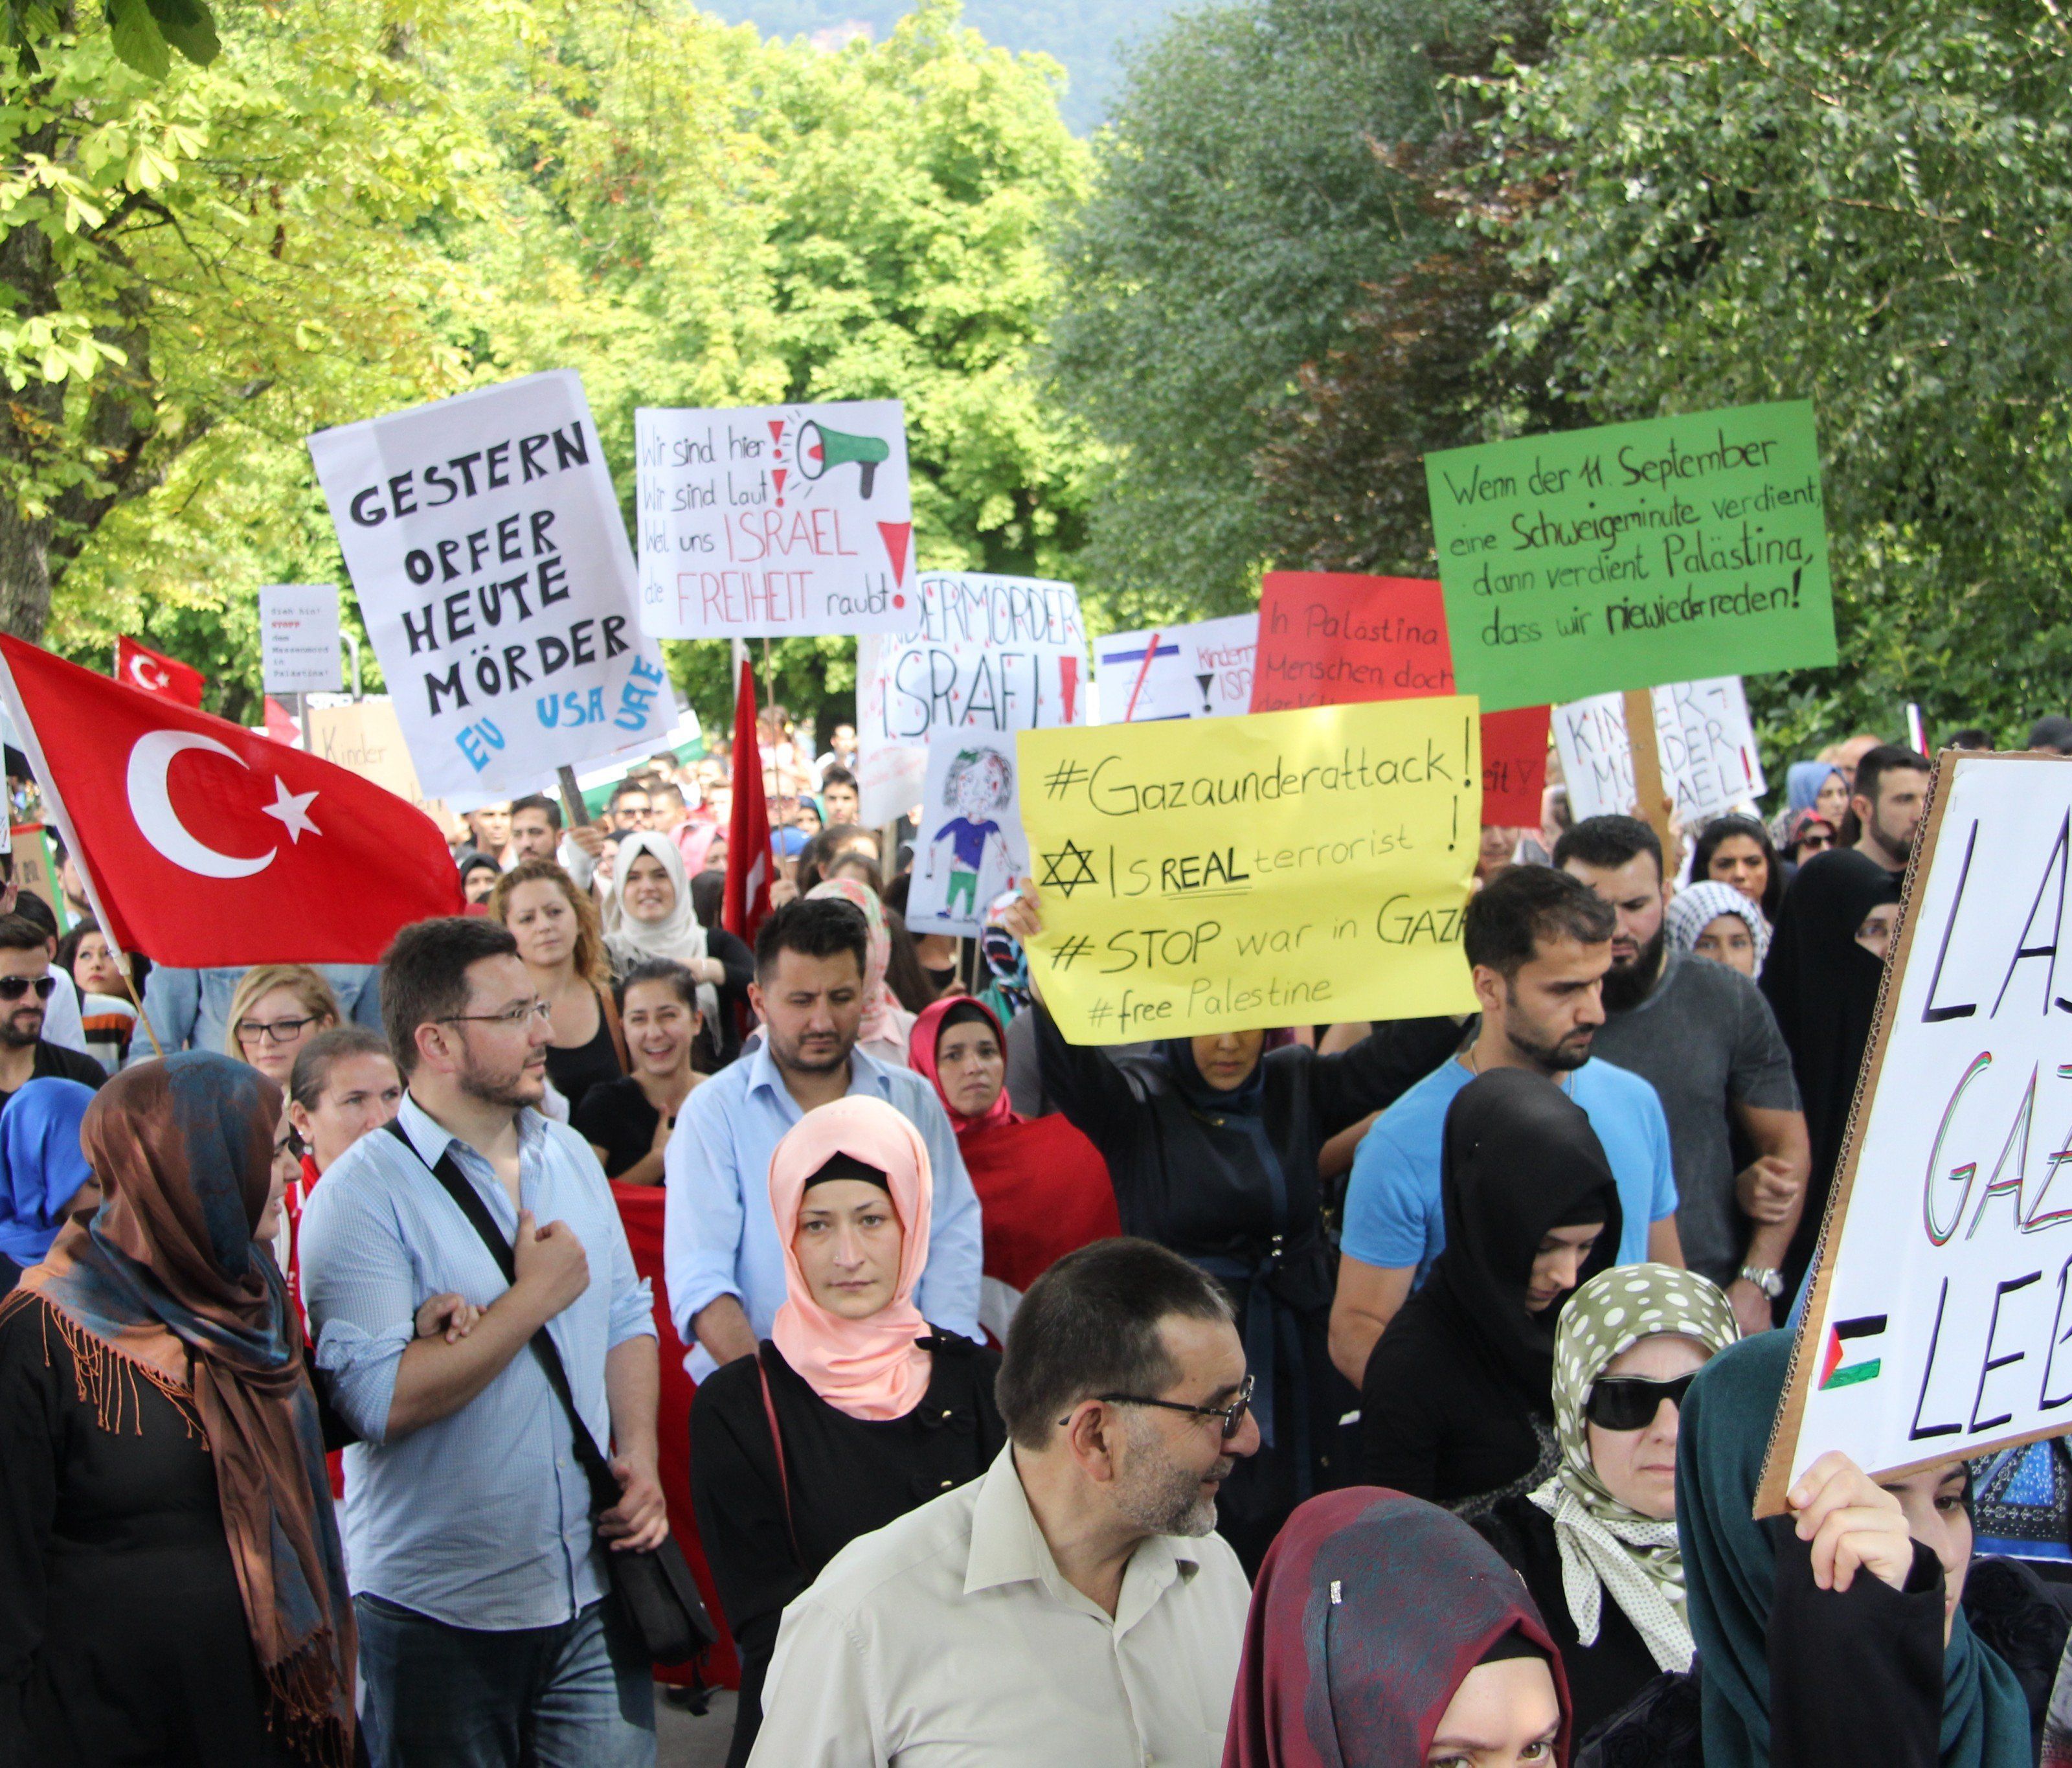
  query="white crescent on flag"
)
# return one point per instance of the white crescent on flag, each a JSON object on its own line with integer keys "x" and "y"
{"x": 152, "y": 808}
{"x": 145, "y": 674}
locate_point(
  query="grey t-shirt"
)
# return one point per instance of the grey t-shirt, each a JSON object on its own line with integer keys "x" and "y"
{"x": 1706, "y": 1041}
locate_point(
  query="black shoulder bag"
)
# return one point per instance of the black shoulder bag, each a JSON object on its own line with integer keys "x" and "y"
{"x": 654, "y": 1588}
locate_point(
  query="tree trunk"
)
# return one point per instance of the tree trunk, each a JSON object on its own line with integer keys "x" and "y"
{"x": 25, "y": 573}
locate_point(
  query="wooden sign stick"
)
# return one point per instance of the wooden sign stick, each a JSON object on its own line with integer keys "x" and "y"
{"x": 1651, "y": 801}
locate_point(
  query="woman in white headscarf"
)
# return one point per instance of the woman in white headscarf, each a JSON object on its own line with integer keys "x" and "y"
{"x": 1597, "y": 1544}
{"x": 649, "y": 914}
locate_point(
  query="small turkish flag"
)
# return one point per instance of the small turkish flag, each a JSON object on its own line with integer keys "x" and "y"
{"x": 155, "y": 672}
{"x": 745, "y": 902}
{"x": 206, "y": 844}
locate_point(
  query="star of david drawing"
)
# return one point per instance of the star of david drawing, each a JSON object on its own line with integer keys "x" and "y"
{"x": 1073, "y": 855}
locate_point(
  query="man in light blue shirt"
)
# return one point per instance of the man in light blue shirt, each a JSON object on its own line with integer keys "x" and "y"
{"x": 477, "y": 1572}
{"x": 1539, "y": 942}
{"x": 723, "y": 1259}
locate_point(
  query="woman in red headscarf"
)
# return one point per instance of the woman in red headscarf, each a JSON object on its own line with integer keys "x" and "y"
{"x": 1385, "y": 1633}
{"x": 1043, "y": 1189}
{"x": 855, "y": 1410}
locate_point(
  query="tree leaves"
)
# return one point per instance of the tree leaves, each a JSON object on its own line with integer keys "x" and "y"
{"x": 145, "y": 32}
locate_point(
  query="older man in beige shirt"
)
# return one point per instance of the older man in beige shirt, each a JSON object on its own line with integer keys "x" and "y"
{"x": 1073, "y": 1606}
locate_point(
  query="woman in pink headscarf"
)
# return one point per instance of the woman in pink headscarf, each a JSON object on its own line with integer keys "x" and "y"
{"x": 855, "y": 1410}
{"x": 887, "y": 1026}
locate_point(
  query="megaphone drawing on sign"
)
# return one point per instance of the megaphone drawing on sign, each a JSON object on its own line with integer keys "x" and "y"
{"x": 820, "y": 448}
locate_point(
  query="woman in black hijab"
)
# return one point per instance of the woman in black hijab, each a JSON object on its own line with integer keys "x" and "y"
{"x": 1458, "y": 1403}
{"x": 1823, "y": 986}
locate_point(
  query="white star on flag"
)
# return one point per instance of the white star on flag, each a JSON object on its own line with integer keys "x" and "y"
{"x": 293, "y": 808}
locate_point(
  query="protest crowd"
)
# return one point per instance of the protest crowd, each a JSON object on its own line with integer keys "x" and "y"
{"x": 1335, "y": 1237}
{"x": 1040, "y": 1386}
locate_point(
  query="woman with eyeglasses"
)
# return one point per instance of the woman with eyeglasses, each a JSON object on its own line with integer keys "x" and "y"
{"x": 1457, "y": 1406}
{"x": 1596, "y": 1544}
{"x": 275, "y": 1009}
{"x": 855, "y": 1410}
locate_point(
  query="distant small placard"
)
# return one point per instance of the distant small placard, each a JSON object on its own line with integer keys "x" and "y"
{"x": 1598, "y": 560}
{"x": 1201, "y": 670}
{"x": 1702, "y": 737}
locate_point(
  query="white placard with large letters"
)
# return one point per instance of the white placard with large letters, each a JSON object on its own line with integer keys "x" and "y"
{"x": 490, "y": 558}
{"x": 1936, "y": 1329}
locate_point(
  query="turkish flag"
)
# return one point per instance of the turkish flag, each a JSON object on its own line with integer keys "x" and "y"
{"x": 206, "y": 844}
{"x": 155, "y": 672}
{"x": 746, "y": 903}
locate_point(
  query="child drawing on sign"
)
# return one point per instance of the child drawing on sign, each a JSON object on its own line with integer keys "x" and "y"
{"x": 979, "y": 784}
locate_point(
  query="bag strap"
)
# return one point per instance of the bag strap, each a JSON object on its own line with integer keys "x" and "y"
{"x": 609, "y": 1007}
{"x": 777, "y": 1443}
{"x": 603, "y": 1482}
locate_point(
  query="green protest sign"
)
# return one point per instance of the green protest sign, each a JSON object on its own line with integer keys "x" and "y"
{"x": 1669, "y": 550}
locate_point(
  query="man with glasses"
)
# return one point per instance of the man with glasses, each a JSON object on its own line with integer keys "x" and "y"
{"x": 631, "y": 807}
{"x": 478, "y": 1570}
{"x": 1074, "y": 1603}
{"x": 26, "y": 986}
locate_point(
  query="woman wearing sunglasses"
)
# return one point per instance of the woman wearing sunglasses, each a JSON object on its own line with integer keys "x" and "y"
{"x": 1597, "y": 1544}
{"x": 855, "y": 1410}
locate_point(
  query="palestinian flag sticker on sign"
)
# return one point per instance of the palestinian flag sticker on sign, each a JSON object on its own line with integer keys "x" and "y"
{"x": 1834, "y": 1372}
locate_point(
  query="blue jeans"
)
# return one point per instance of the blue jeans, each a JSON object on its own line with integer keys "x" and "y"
{"x": 575, "y": 1696}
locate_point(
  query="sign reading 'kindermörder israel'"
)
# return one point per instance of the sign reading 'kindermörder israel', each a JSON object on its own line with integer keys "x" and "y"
{"x": 1938, "y": 1325}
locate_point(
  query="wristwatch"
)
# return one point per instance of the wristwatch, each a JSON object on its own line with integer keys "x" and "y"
{"x": 1770, "y": 1282}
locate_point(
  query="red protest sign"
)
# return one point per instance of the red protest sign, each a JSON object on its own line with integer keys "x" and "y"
{"x": 1334, "y": 638}
{"x": 1514, "y": 767}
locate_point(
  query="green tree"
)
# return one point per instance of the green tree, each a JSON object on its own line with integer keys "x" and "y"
{"x": 1241, "y": 216}
{"x": 706, "y": 219}
{"x": 1871, "y": 205}
{"x": 195, "y": 270}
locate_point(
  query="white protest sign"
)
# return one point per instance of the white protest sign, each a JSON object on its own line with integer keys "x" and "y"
{"x": 775, "y": 519}
{"x": 490, "y": 559}
{"x": 971, "y": 846}
{"x": 1702, "y": 734}
{"x": 994, "y": 654}
{"x": 1937, "y": 1324}
{"x": 1203, "y": 671}
{"x": 298, "y": 638}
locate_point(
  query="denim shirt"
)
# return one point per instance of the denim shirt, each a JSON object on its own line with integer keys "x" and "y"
{"x": 481, "y": 1519}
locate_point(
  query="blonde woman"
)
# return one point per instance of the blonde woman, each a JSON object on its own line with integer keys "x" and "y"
{"x": 562, "y": 948}
{"x": 277, "y": 1009}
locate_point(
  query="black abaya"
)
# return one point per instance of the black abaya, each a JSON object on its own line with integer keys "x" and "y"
{"x": 123, "y": 1636}
{"x": 1229, "y": 1181}
{"x": 1822, "y": 987}
{"x": 1458, "y": 1393}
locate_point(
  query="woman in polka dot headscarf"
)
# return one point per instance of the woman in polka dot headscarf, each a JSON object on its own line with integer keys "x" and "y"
{"x": 1628, "y": 1344}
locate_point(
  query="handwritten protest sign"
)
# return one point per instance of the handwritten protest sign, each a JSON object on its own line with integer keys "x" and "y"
{"x": 366, "y": 737}
{"x": 1202, "y": 671}
{"x": 1702, "y": 734}
{"x": 989, "y": 654}
{"x": 1333, "y": 638}
{"x": 971, "y": 846}
{"x": 1304, "y": 865}
{"x": 491, "y": 562}
{"x": 1937, "y": 1324}
{"x": 775, "y": 519}
{"x": 1634, "y": 553}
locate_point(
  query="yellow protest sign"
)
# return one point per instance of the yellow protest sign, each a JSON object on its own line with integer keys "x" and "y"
{"x": 1282, "y": 869}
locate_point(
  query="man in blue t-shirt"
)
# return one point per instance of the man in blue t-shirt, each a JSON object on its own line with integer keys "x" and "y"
{"x": 1539, "y": 942}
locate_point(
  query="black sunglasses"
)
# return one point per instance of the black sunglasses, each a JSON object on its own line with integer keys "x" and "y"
{"x": 1628, "y": 1403}
{"x": 13, "y": 987}
{"x": 1231, "y": 1416}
